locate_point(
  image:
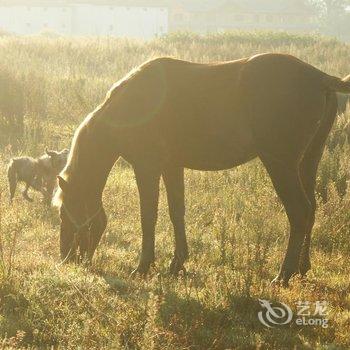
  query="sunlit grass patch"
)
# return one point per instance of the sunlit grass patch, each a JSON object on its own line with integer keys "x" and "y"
{"x": 237, "y": 228}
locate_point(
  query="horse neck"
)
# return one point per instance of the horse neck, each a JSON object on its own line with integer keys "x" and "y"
{"x": 95, "y": 162}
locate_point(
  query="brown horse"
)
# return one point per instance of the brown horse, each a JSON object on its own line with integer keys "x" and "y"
{"x": 169, "y": 114}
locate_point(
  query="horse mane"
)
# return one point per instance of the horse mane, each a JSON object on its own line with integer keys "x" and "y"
{"x": 87, "y": 125}
{"x": 73, "y": 157}
{"x": 71, "y": 160}
{"x": 121, "y": 82}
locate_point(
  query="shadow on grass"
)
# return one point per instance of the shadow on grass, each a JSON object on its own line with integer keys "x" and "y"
{"x": 198, "y": 324}
{"x": 234, "y": 325}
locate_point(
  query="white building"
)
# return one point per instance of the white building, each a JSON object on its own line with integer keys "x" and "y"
{"x": 84, "y": 19}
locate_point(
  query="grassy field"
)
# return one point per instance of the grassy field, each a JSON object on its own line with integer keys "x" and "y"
{"x": 236, "y": 226}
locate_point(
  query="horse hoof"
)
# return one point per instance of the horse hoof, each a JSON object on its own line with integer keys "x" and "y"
{"x": 136, "y": 273}
{"x": 304, "y": 269}
{"x": 176, "y": 268}
{"x": 141, "y": 271}
{"x": 276, "y": 281}
{"x": 280, "y": 281}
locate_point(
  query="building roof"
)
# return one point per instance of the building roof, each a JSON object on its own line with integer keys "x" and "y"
{"x": 278, "y": 6}
{"x": 251, "y": 6}
{"x": 48, "y": 3}
{"x": 199, "y": 5}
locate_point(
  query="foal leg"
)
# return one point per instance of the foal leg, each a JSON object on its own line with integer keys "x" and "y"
{"x": 25, "y": 193}
{"x": 290, "y": 189}
{"x": 147, "y": 179}
{"x": 48, "y": 190}
{"x": 13, "y": 185}
{"x": 174, "y": 184}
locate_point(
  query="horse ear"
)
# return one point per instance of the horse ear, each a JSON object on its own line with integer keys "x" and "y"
{"x": 62, "y": 183}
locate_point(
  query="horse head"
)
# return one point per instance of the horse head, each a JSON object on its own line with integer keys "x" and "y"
{"x": 83, "y": 221}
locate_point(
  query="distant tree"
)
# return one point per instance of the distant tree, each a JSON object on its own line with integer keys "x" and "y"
{"x": 335, "y": 5}
{"x": 334, "y": 19}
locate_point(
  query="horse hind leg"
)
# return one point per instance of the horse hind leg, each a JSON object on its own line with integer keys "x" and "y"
{"x": 308, "y": 171}
{"x": 308, "y": 178}
{"x": 290, "y": 190}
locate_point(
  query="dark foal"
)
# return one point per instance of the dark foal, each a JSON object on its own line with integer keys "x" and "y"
{"x": 170, "y": 114}
{"x": 39, "y": 174}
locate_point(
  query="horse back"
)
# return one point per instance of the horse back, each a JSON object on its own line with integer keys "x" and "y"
{"x": 214, "y": 116}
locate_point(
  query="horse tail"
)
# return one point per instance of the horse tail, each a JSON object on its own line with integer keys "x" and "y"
{"x": 338, "y": 85}
{"x": 12, "y": 177}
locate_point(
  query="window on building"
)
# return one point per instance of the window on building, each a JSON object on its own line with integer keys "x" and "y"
{"x": 28, "y": 25}
{"x": 293, "y": 19}
{"x": 145, "y": 9}
{"x": 257, "y": 18}
{"x": 45, "y": 9}
{"x": 270, "y": 18}
{"x": 28, "y": 8}
{"x": 179, "y": 17}
{"x": 111, "y": 28}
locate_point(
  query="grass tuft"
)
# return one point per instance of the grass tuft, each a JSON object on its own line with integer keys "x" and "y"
{"x": 235, "y": 223}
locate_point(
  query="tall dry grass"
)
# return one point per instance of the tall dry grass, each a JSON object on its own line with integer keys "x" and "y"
{"x": 235, "y": 223}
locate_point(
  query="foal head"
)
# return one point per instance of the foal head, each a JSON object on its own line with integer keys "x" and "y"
{"x": 83, "y": 221}
{"x": 58, "y": 159}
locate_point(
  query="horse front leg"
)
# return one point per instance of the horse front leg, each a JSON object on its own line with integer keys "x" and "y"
{"x": 147, "y": 179}
{"x": 174, "y": 183}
